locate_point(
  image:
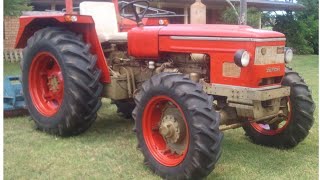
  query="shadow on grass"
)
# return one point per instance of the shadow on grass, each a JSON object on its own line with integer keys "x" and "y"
{"x": 241, "y": 157}
{"x": 110, "y": 126}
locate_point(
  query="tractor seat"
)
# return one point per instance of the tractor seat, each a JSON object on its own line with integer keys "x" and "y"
{"x": 105, "y": 19}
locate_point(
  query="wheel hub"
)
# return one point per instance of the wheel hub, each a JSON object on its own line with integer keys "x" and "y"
{"x": 169, "y": 129}
{"x": 46, "y": 83}
{"x": 53, "y": 83}
{"x": 172, "y": 129}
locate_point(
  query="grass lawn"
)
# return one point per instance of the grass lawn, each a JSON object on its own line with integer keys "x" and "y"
{"x": 108, "y": 149}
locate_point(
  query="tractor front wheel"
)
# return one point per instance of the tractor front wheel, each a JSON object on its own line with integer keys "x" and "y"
{"x": 177, "y": 129}
{"x": 291, "y": 129}
{"x": 60, "y": 82}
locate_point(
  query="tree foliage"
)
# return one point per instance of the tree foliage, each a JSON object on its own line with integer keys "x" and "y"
{"x": 15, "y": 7}
{"x": 230, "y": 17}
{"x": 301, "y": 28}
{"x": 293, "y": 30}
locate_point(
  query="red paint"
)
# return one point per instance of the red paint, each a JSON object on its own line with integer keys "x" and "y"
{"x": 153, "y": 21}
{"x": 116, "y": 5}
{"x": 215, "y": 30}
{"x": 143, "y": 42}
{"x": 149, "y": 42}
{"x": 69, "y": 6}
{"x": 43, "y": 67}
{"x": 153, "y": 139}
{"x": 259, "y": 127}
{"x": 84, "y": 25}
{"x": 127, "y": 24}
{"x": 223, "y": 51}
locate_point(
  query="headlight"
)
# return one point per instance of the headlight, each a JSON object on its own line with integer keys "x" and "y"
{"x": 288, "y": 55}
{"x": 242, "y": 58}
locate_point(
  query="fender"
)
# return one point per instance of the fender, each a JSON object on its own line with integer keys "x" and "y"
{"x": 83, "y": 25}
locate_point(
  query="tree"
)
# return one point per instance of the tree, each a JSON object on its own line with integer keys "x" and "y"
{"x": 268, "y": 19}
{"x": 310, "y": 18}
{"x": 301, "y": 28}
{"x": 229, "y": 16}
{"x": 15, "y": 7}
{"x": 294, "y": 31}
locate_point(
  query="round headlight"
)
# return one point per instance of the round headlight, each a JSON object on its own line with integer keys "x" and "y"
{"x": 242, "y": 58}
{"x": 288, "y": 55}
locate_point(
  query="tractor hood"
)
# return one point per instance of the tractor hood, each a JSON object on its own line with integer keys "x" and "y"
{"x": 216, "y": 30}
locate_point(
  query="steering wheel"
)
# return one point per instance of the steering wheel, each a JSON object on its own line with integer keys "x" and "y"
{"x": 137, "y": 16}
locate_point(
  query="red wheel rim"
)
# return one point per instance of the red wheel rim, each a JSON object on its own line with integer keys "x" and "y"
{"x": 266, "y": 129}
{"x": 154, "y": 140}
{"x": 46, "y": 84}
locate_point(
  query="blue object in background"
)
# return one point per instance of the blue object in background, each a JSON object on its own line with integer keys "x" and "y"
{"x": 13, "y": 95}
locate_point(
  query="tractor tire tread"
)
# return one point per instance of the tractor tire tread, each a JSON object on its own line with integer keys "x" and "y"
{"x": 207, "y": 136}
{"x": 302, "y": 107}
{"x": 80, "y": 71}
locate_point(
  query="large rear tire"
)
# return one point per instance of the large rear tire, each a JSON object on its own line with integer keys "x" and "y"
{"x": 299, "y": 120}
{"x": 177, "y": 129}
{"x": 60, "y": 82}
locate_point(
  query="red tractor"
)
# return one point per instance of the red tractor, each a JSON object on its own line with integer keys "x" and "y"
{"x": 186, "y": 83}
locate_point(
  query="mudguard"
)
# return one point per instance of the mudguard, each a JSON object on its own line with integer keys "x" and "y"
{"x": 80, "y": 24}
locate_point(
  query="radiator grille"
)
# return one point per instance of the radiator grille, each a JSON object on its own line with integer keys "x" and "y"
{"x": 269, "y": 55}
{"x": 231, "y": 70}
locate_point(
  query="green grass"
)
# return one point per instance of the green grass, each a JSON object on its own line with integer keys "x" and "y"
{"x": 108, "y": 149}
{"x": 11, "y": 68}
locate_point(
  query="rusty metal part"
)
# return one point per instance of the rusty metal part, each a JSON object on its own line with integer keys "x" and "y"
{"x": 171, "y": 62}
{"x": 139, "y": 71}
{"x": 194, "y": 77}
{"x": 53, "y": 83}
{"x": 237, "y": 92}
{"x": 277, "y": 118}
{"x": 169, "y": 129}
{"x": 191, "y": 63}
{"x": 230, "y": 69}
{"x": 255, "y": 109}
{"x": 110, "y": 49}
{"x": 114, "y": 73}
{"x": 232, "y": 126}
{"x": 173, "y": 129}
{"x": 130, "y": 92}
{"x": 228, "y": 115}
{"x": 237, "y": 125}
{"x": 199, "y": 58}
{"x": 133, "y": 80}
{"x": 283, "y": 112}
{"x": 117, "y": 89}
{"x": 250, "y": 102}
{"x": 122, "y": 86}
{"x": 163, "y": 67}
{"x": 268, "y": 55}
{"x": 171, "y": 70}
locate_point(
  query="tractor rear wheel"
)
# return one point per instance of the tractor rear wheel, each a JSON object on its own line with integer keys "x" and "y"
{"x": 298, "y": 120}
{"x": 60, "y": 82}
{"x": 177, "y": 129}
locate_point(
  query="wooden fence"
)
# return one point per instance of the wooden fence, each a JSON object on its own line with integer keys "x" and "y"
{"x": 14, "y": 55}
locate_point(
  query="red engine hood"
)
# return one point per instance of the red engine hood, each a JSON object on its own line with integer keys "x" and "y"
{"x": 217, "y": 30}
